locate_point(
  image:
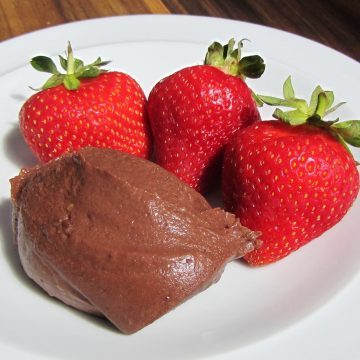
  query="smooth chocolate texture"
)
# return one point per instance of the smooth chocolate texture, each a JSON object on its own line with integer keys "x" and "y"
{"x": 115, "y": 235}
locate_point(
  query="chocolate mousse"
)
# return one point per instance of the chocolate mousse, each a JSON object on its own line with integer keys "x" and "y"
{"x": 115, "y": 235}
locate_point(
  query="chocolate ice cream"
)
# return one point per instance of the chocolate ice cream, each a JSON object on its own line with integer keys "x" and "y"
{"x": 115, "y": 235}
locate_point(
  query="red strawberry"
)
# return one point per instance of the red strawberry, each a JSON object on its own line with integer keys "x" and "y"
{"x": 291, "y": 180}
{"x": 194, "y": 112}
{"x": 85, "y": 107}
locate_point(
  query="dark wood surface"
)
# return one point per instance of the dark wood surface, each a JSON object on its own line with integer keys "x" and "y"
{"x": 335, "y": 23}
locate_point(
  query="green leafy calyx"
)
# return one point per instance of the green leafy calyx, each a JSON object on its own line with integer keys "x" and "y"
{"x": 320, "y": 105}
{"x": 75, "y": 70}
{"x": 228, "y": 58}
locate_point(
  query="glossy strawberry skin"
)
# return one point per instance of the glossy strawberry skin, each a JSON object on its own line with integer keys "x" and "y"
{"x": 106, "y": 111}
{"x": 290, "y": 183}
{"x": 193, "y": 113}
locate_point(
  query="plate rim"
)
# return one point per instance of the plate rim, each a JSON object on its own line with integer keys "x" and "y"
{"x": 12, "y": 43}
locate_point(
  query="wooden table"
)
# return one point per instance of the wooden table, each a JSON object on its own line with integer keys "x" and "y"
{"x": 334, "y": 23}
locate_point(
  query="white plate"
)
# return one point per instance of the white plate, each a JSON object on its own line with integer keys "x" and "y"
{"x": 250, "y": 313}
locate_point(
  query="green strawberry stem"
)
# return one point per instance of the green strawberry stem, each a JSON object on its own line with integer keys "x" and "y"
{"x": 70, "y": 60}
{"x": 229, "y": 59}
{"x": 313, "y": 113}
{"x": 75, "y": 70}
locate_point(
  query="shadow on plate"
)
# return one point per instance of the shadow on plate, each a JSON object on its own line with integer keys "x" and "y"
{"x": 12, "y": 257}
{"x": 19, "y": 97}
{"x": 16, "y": 150}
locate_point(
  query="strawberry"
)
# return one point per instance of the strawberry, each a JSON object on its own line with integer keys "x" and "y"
{"x": 291, "y": 179}
{"x": 87, "y": 106}
{"x": 194, "y": 112}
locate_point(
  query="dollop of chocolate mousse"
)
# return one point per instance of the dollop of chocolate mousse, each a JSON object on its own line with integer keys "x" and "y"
{"x": 115, "y": 235}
